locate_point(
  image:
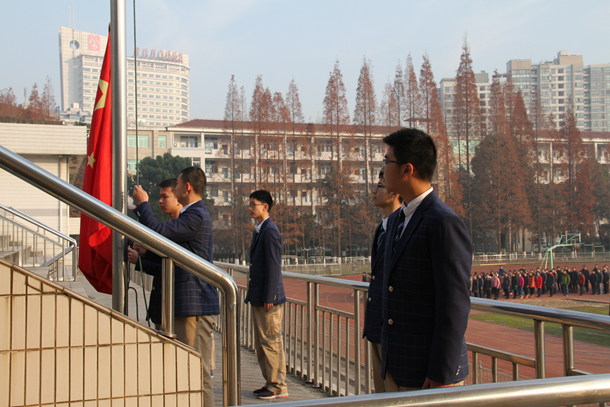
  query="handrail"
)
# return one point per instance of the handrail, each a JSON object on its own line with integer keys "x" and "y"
{"x": 64, "y": 251}
{"x": 559, "y": 316}
{"x": 540, "y": 315}
{"x": 545, "y": 314}
{"x": 116, "y": 220}
{"x": 559, "y": 391}
{"x": 36, "y": 222}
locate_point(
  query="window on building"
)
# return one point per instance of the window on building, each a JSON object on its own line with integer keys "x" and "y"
{"x": 225, "y": 196}
{"x": 214, "y": 191}
{"x": 131, "y": 140}
{"x": 189, "y": 141}
{"x": 143, "y": 141}
{"x": 162, "y": 142}
{"x": 211, "y": 145}
{"x": 131, "y": 165}
{"x": 196, "y": 161}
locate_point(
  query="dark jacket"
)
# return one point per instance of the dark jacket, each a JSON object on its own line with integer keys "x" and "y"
{"x": 425, "y": 297}
{"x": 372, "y": 313}
{"x": 193, "y": 231}
{"x": 265, "y": 284}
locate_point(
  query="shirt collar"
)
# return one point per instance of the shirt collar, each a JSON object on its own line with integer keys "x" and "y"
{"x": 186, "y": 207}
{"x": 257, "y": 228}
{"x": 384, "y": 223}
{"x": 408, "y": 209}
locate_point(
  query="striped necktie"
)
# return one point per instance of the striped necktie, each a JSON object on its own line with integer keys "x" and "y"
{"x": 401, "y": 225}
{"x": 380, "y": 238}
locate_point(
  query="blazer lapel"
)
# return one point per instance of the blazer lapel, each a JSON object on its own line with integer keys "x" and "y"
{"x": 256, "y": 236}
{"x": 377, "y": 252}
{"x": 410, "y": 228}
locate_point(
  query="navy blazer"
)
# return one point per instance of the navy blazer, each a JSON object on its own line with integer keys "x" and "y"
{"x": 193, "y": 231}
{"x": 425, "y": 297}
{"x": 265, "y": 284}
{"x": 372, "y": 313}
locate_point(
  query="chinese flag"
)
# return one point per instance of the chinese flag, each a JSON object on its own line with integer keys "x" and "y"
{"x": 95, "y": 253}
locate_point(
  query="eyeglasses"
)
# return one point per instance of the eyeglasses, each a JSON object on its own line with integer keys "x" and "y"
{"x": 253, "y": 205}
{"x": 385, "y": 161}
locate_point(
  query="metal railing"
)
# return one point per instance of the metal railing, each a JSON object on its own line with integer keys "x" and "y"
{"x": 325, "y": 347}
{"x": 524, "y": 257}
{"x": 121, "y": 223}
{"x": 319, "y": 340}
{"x": 560, "y": 391}
{"x": 37, "y": 244}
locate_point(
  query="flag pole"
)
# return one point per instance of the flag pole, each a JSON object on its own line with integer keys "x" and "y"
{"x": 119, "y": 138}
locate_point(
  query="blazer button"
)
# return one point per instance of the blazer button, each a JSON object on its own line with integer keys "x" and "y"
{"x": 370, "y": 298}
{"x": 390, "y": 322}
{"x": 372, "y": 278}
{"x": 390, "y": 288}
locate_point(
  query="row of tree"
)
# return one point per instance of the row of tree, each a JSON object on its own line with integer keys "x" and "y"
{"x": 277, "y": 137}
{"x": 494, "y": 178}
{"x": 39, "y": 106}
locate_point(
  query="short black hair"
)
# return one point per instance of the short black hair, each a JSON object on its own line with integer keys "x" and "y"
{"x": 196, "y": 177}
{"x": 263, "y": 197}
{"x": 414, "y": 147}
{"x": 169, "y": 183}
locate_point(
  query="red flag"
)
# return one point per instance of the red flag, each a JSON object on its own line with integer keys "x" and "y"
{"x": 95, "y": 253}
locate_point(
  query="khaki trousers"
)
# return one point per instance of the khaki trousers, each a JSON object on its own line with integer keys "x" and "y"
{"x": 390, "y": 384}
{"x": 198, "y": 333}
{"x": 376, "y": 361}
{"x": 269, "y": 346}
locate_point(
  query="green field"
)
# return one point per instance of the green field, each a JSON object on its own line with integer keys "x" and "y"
{"x": 581, "y": 334}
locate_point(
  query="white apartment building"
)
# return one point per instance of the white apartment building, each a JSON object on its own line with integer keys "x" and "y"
{"x": 560, "y": 81}
{"x": 162, "y": 80}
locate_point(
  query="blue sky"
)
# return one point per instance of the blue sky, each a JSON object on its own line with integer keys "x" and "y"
{"x": 282, "y": 40}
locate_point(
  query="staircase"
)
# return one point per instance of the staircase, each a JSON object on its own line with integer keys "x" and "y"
{"x": 58, "y": 346}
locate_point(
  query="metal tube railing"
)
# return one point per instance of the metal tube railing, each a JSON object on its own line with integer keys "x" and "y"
{"x": 326, "y": 372}
{"x": 35, "y": 235}
{"x": 540, "y": 393}
{"x": 114, "y": 219}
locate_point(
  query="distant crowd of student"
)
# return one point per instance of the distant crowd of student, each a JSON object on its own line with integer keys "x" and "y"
{"x": 523, "y": 284}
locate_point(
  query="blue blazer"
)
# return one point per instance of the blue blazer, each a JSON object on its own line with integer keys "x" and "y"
{"x": 425, "y": 297}
{"x": 372, "y": 313}
{"x": 265, "y": 284}
{"x": 193, "y": 231}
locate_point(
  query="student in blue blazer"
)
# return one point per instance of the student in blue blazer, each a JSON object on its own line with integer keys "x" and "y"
{"x": 266, "y": 296}
{"x": 388, "y": 202}
{"x": 196, "y": 302}
{"x": 428, "y": 259}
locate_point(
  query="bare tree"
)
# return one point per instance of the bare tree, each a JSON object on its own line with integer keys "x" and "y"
{"x": 365, "y": 116}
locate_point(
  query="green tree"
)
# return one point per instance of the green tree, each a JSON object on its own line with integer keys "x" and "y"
{"x": 155, "y": 170}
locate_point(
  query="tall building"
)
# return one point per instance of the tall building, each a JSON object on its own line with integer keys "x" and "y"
{"x": 562, "y": 80}
{"x": 162, "y": 80}
{"x": 447, "y": 95}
